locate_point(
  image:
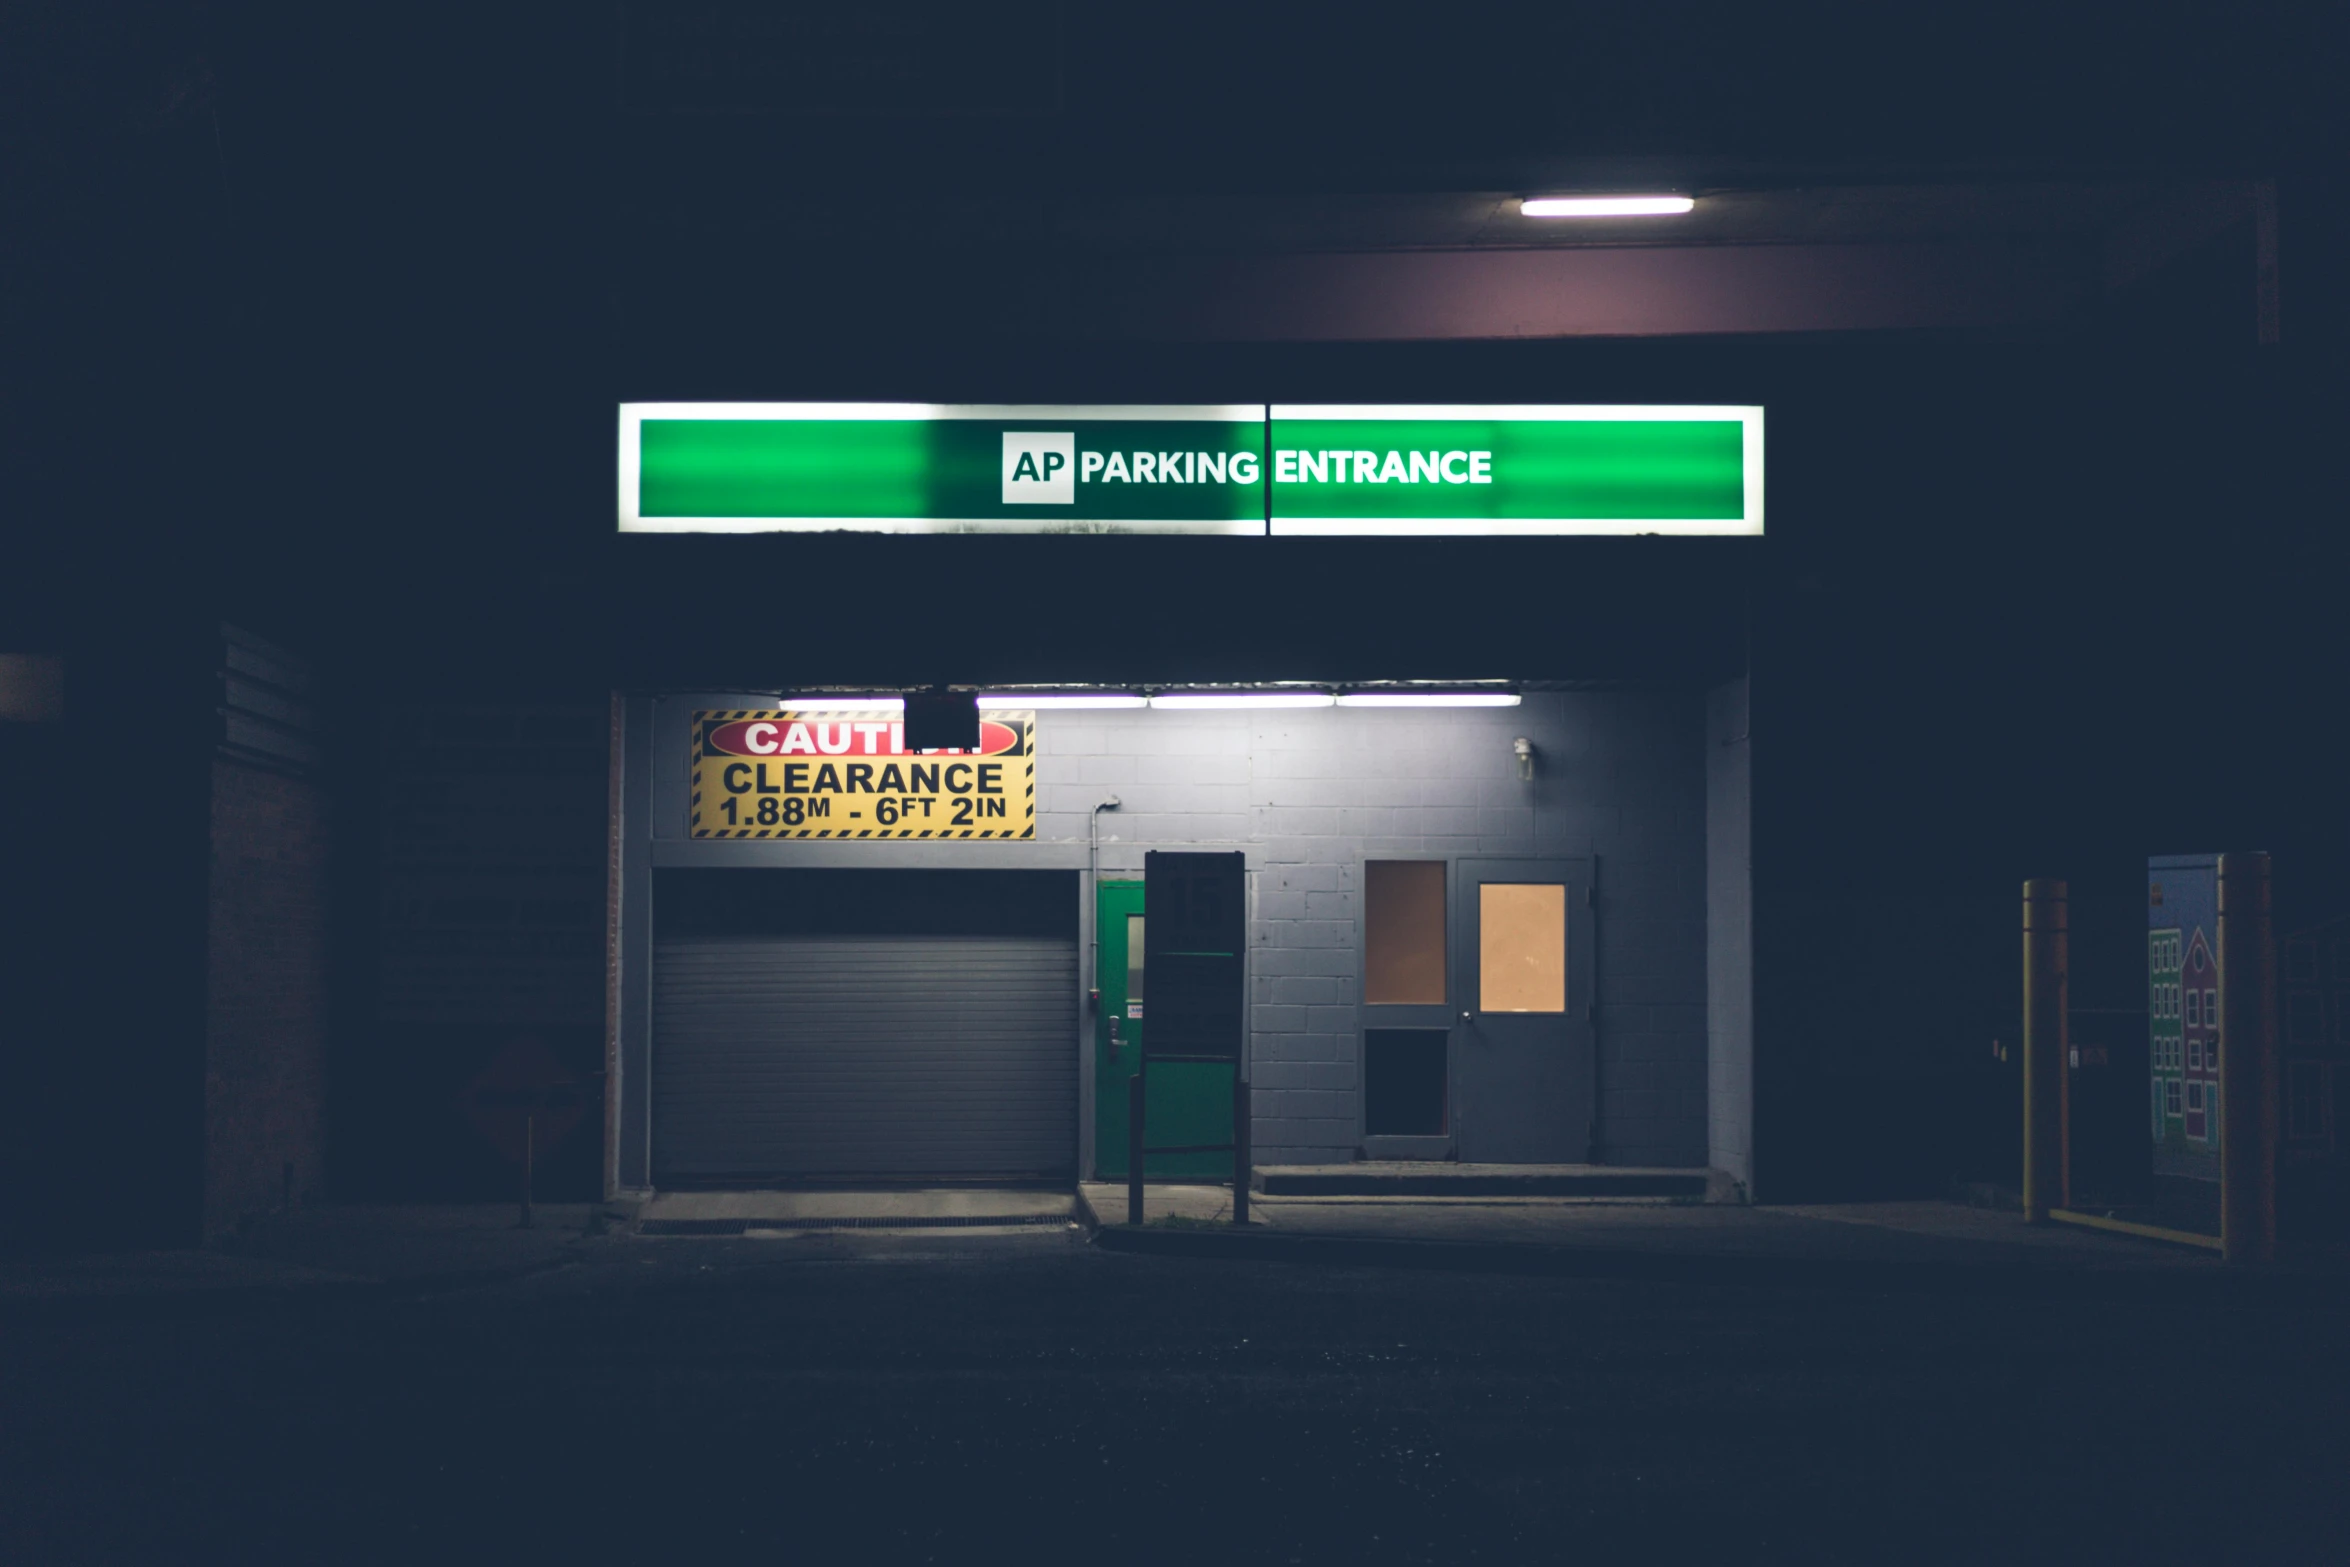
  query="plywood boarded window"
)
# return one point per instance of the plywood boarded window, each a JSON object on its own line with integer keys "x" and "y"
{"x": 1403, "y": 932}
{"x": 1522, "y": 946}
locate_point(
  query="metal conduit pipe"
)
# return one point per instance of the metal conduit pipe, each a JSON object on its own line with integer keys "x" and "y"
{"x": 1093, "y": 907}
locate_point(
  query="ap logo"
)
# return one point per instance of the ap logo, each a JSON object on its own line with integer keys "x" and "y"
{"x": 1040, "y": 468}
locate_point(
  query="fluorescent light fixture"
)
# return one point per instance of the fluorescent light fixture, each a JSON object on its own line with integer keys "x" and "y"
{"x": 1604, "y": 206}
{"x": 1197, "y": 699}
{"x": 819, "y": 702}
{"x": 1062, "y": 699}
{"x": 1429, "y": 699}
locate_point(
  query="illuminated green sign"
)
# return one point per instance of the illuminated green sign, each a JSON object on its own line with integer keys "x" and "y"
{"x": 927, "y": 468}
{"x": 1248, "y": 469}
{"x": 1385, "y": 469}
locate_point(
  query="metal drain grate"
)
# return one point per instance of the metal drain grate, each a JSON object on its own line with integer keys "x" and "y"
{"x": 963, "y": 1221}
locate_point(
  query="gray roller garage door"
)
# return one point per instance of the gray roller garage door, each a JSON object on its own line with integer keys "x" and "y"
{"x": 838, "y": 1056}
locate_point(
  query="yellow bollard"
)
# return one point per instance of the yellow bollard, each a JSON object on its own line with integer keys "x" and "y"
{"x": 2247, "y": 1061}
{"x": 2045, "y": 980}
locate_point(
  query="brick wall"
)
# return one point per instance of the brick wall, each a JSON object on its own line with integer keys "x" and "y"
{"x": 266, "y": 997}
{"x": 1309, "y": 794}
{"x": 491, "y": 897}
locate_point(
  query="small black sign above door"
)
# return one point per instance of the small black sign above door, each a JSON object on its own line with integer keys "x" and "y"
{"x": 1194, "y": 947}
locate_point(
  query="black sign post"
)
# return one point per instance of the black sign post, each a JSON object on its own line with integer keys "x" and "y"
{"x": 1195, "y": 950}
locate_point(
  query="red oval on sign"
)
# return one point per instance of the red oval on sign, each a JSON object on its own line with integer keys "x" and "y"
{"x": 751, "y": 737}
{"x": 794, "y": 735}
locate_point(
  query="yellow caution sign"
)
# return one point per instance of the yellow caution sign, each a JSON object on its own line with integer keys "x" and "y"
{"x": 812, "y": 773}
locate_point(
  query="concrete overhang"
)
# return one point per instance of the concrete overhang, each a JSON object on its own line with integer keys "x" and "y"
{"x": 2046, "y": 257}
{"x": 837, "y": 286}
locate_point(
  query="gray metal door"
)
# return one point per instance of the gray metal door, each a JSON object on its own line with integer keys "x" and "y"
{"x": 892, "y": 1056}
{"x": 1522, "y": 1042}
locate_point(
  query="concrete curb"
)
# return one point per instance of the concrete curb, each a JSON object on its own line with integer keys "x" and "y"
{"x": 2138, "y": 1283}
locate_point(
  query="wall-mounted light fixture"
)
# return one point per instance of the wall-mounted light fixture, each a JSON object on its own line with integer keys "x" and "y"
{"x": 1604, "y": 206}
{"x": 824, "y": 701}
{"x": 1061, "y": 699}
{"x": 1203, "y": 699}
{"x": 1525, "y": 753}
{"x": 1066, "y": 700}
{"x": 1429, "y": 699}
{"x": 942, "y": 720}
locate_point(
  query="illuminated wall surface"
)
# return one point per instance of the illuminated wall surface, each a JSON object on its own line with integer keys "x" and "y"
{"x": 1240, "y": 470}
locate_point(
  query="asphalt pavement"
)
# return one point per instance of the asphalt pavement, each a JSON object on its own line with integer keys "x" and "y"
{"x": 860, "y": 1396}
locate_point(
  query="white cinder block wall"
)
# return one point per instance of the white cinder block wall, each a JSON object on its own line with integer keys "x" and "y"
{"x": 1310, "y": 794}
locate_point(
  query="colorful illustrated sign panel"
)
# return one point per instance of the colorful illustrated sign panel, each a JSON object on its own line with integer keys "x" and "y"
{"x": 2182, "y": 1008}
{"x": 806, "y": 772}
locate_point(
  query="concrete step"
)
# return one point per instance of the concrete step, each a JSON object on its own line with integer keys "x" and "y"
{"x": 708, "y": 1213}
{"x": 1415, "y": 1178}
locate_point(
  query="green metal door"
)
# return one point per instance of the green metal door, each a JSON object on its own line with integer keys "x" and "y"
{"x": 1190, "y": 1102}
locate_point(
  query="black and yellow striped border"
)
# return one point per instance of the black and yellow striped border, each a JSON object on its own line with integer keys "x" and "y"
{"x": 1021, "y": 721}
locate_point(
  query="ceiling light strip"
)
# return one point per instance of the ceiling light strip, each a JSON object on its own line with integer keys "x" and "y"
{"x": 1428, "y": 699}
{"x": 1186, "y": 700}
{"x": 1062, "y": 699}
{"x": 1604, "y": 206}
